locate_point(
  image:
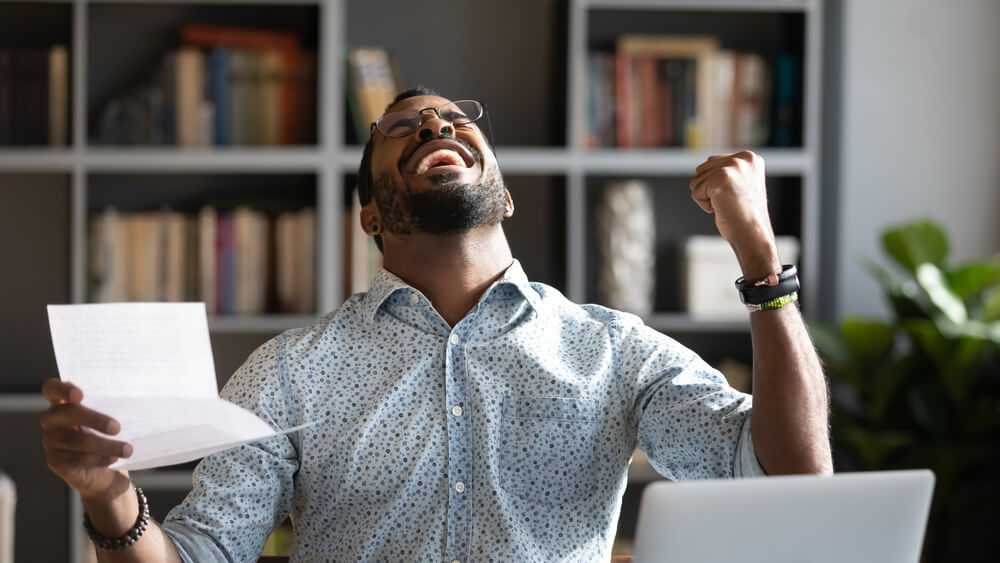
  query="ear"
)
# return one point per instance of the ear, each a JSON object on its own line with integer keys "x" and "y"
{"x": 509, "y": 211}
{"x": 371, "y": 220}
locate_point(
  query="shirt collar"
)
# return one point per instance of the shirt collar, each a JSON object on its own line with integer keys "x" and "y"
{"x": 386, "y": 284}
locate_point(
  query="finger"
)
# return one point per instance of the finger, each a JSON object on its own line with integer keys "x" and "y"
{"x": 67, "y": 415}
{"x": 61, "y": 461}
{"x": 67, "y": 440}
{"x": 714, "y": 161}
{"x": 58, "y": 391}
{"x": 701, "y": 196}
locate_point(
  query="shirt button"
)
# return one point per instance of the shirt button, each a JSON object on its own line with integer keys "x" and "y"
{"x": 453, "y": 339}
{"x": 414, "y": 298}
{"x": 456, "y": 410}
{"x": 460, "y": 486}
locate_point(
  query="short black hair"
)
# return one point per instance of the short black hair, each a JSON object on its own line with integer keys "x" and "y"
{"x": 366, "y": 183}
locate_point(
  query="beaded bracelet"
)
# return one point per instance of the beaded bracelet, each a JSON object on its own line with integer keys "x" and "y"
{"x": 776, "y": 303}
{"x": 129, "y": 537}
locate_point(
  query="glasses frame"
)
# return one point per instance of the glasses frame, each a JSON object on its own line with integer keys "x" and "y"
{"x": 420, "y": 114}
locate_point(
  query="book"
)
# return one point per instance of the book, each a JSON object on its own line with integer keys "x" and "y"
{"x": 225, "y": 265}
{"x": 189, "y": 91}
{"x": 701, "y": 50}
{"x": 220, "y": 92}
{"x": 372, "y": 86}
{"x": 272, "y": 96}
{"x": 174, "y": 264}
{"x": 208, "y": 249}
{"x": 306, "y": 275}
{"x": 286, "y": 262}
{"x": 58, "y": 96}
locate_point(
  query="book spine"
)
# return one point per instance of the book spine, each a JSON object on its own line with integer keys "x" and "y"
{"x": 208, "y": 245}
{"x": 226, "y": 266}
{"x": 58, "y": 96}
{"x": 188, "y": 93}
{"x": 220, "y": 95}
{"x": 623, "y": 97}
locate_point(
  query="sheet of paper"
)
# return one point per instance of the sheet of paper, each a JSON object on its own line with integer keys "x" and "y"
{"x": 134, "y": 349}
{"x": 149, "y": 365}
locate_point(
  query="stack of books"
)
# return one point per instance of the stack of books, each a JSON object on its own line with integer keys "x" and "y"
{"x": 677, "y": 91}
{"x": 239, "y": 262}
{"x": 223, "y": 86}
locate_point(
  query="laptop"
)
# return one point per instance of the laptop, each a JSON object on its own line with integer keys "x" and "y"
{"x": 876, "y": 517}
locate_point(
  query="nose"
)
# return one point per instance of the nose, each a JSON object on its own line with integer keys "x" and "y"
{"x": 433, "y": 126}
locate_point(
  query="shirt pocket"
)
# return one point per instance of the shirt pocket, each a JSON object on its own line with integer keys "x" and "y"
{"x": 549, "y": 448}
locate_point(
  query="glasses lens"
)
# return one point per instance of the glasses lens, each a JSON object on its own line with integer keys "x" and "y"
{"x": 461, "y": 112}
{"x": 398, "y": 123}
{"x": 402, "y": 123}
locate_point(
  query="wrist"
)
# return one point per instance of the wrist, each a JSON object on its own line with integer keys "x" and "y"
{"x": 758, "y": 260}
{"x": 123, "y": 538}
{"x": 114, "y": 510}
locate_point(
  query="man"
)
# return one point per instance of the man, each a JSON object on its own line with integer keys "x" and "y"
{"x": 465, "y": 413}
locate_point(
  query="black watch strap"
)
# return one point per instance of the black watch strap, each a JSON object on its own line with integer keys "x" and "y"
{"x": 762, "y": 290}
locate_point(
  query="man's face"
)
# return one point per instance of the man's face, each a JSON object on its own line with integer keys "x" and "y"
{"x": 441, "y": 178}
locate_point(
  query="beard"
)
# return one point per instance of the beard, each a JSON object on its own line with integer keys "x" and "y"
{"x": 449, "y": 207}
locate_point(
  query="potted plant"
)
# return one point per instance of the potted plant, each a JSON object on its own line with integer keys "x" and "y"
{"x": 923, "y": 389}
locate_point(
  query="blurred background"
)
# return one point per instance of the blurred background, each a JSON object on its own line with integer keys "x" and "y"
{"x": 207, "y": 150}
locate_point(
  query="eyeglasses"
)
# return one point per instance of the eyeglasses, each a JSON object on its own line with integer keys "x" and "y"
{"x": 403, "y": 123}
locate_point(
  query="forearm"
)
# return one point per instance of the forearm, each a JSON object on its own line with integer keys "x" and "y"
{"x": 790, "y": 398}
{"x": 115, "y": 517}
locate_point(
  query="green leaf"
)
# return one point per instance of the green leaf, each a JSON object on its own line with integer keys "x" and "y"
{"x": 990, "y": 310}
{"x": 933, "y": 282}
{"x": 926, "y": 336}
{"x": 869, "y": 341}
{"x": 903, "y": 294}
{"x": 915, "y": 243}
{"x": 970, "y": 278}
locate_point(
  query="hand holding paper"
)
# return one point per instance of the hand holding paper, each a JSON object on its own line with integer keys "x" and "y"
{"x": 149, "y": 365}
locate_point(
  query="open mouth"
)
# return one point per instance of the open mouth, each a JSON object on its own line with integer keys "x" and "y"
{"x": 439, "y": 153}
{"x": 440, "y": 157}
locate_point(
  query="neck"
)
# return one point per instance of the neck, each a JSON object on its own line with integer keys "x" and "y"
{"x": 454, "y": 270}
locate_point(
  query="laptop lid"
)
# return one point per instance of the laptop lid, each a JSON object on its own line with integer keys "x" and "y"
{"x": 876, "y": 517}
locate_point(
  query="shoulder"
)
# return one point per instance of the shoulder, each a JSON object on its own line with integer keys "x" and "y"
{"x": 554, "y": 303}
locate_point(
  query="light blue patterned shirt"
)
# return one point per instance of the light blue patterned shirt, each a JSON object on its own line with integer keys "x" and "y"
{"x": 505, "y": 438}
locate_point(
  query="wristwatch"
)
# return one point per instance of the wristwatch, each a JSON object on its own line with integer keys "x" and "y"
{"x": 770, "y": 287}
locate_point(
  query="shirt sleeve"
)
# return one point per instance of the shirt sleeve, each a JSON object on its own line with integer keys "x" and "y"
{"x": 243, "y": 493}
{"x": 686, "y": 417}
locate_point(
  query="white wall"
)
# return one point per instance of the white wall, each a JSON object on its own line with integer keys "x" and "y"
{"x": 920, "y": 130}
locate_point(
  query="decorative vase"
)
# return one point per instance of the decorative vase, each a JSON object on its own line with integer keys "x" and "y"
{"x": 626, "y": 233}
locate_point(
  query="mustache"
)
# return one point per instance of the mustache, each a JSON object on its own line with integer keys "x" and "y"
{"x": 476, "y": 155}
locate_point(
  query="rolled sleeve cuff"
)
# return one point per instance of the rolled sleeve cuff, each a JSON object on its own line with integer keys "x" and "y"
{"x": 192, "y": 547}
{"x": 746, "y": 464}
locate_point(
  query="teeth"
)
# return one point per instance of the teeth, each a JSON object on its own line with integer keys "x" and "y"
{"x": 438, "y": 156}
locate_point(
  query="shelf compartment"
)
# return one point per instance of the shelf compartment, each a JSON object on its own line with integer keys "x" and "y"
{"x": 727, "y": 114}
{"x": 36, "y": 69}
{"x": 147, "y": 241}
{"x": 677, "y": 217}
{"x": 134, "y": 82}
{"x": 523, "y": 85}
